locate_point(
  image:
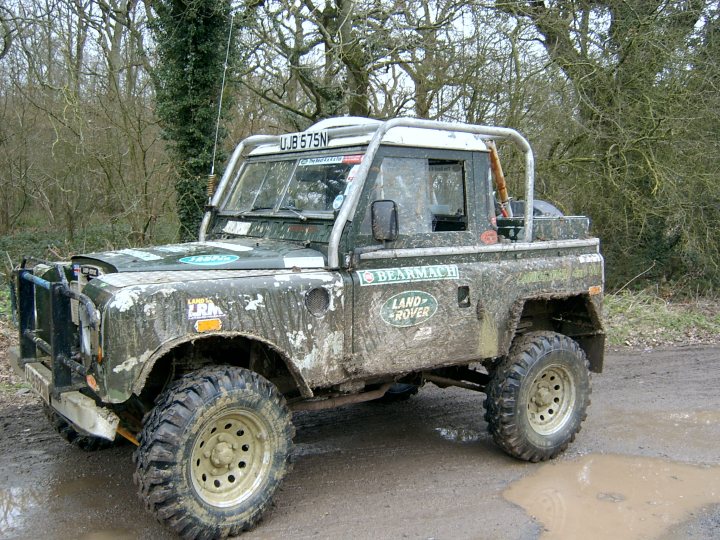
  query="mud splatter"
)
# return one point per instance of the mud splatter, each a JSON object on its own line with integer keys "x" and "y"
{"x": 610, "y": 496}
{"x": 459, "y": 434}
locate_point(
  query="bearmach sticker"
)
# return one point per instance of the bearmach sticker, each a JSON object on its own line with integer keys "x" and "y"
{"x": 202, "y": 308}
{"x": 409, "y": 274}
{"x": 209, "y": 260}
{"x": 409, "y": 308}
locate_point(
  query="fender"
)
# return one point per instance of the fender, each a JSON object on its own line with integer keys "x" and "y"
{"x": 168, "y": 346}
{"x": 590, "y": 336}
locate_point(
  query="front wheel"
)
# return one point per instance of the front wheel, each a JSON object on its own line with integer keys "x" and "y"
{"x": 538, "y": 396}
{"x": 213, "y": 451}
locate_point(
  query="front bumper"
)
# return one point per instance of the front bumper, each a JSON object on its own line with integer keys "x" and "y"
{"x": 80, "y": 410}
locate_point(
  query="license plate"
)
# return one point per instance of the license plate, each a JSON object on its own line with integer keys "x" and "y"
{"x": 38, "y": 376}
{"x": 307, "y": 140}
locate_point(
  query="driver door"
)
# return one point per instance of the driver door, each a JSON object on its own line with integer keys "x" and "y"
{"x": 414, "y": 310}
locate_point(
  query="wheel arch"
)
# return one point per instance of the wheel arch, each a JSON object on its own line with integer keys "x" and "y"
{"x": 578, "y": 316}
{"x": 232, "y": 348}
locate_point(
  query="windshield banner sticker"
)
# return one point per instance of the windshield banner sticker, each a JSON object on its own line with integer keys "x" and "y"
{"x": 408, "y": 274}
{"x": 409, "y": 308}
{"x": 209, "y": 260}
{"x": 331, "y": 160}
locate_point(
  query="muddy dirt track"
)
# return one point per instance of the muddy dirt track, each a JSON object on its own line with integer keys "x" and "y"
{"x": 646, "y": 465}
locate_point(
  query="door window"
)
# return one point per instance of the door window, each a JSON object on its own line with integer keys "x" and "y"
{"x": 430, "y": 194}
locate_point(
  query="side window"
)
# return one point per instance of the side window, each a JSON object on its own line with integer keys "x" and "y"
{"x": 429, "y": 193}
{"x": 447, "y": 191}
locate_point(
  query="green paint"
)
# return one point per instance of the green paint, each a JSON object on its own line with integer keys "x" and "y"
{"x": 408, "y": 308}
{"x": 557, "y": 274}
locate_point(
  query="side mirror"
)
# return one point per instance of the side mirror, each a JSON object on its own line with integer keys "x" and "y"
{"x": 384, "y": 220}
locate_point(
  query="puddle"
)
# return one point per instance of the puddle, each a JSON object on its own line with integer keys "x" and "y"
{"x": 88, "y": 485}
{"x": 14, "y": 502}
{"x": 459, "y": 434}
{"x": 606, "y": 496}
{"x": 17, "y": 503}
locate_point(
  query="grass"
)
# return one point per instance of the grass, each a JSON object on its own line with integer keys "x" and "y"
{"x": 5, "y": 310}
{"x": 54, "y": 245}
{"x": 644, "y": 318}
{"x": 12, "y": 388}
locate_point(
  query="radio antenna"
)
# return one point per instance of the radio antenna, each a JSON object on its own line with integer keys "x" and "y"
{"x": 222, "y": 92}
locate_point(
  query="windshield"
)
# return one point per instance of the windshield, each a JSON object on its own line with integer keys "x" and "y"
{"x": 313, "y": 185}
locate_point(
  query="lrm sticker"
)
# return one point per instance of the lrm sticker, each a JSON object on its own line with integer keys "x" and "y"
{"x": 209, "y": 260}
{"x": 409, "y": 308}
{"x": 202, "y": 308}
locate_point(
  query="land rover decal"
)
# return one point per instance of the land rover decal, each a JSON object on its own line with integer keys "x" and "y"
{"x": 408, "y": 308}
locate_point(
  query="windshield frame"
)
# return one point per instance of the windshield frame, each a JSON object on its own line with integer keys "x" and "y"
{"x": 278, "y": 211}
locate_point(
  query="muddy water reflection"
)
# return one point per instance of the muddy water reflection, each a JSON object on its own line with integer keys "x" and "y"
{"x": 606, "y": 496}
{"x": 14, "y": 502}
{"x": 18, "y": 504}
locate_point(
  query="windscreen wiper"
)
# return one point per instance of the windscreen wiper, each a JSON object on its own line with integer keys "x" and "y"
{"x": 294, "y": 211}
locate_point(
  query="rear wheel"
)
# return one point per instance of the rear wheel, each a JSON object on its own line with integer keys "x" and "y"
{"x": 399, "y": 392}
{"x": 213, "y": 451}
{"x": 538, "y": 396}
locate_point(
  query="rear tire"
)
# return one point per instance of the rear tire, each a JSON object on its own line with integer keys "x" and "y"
{"x": 88, "y": 443}
{"x": 538, "y": 396}
{"x": 213, "y": 451}
{"x": 399, "y": 392}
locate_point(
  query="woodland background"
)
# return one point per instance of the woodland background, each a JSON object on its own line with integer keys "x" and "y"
{"x": 108, "y": 109}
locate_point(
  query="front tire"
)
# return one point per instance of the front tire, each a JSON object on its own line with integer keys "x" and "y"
{"x": 538, "y": 396}
{"x": 213, "y": 451}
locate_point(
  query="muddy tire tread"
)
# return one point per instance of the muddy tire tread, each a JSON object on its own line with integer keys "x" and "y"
{"x": 504, "y": 388}
{"x": 163, "y": 427}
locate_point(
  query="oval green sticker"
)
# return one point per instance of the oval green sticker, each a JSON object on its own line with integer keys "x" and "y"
{"x": 408, "y": 308}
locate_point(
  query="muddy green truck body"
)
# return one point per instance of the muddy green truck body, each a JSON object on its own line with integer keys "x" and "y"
{"x": 334, "y": 263}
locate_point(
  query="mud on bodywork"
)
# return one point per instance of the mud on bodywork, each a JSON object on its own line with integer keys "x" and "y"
{"x": 147, "y": 314}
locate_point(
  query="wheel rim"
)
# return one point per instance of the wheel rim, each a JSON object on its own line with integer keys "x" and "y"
{"x": 551, "y": 399}
{"x": 230, "y": 458}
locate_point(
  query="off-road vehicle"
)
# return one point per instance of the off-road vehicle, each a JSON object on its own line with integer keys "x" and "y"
{"x": 354, "y": 261}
